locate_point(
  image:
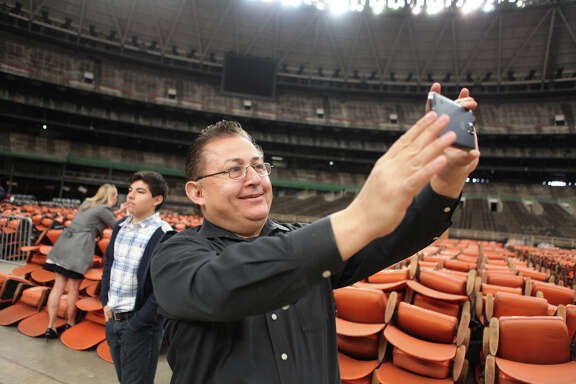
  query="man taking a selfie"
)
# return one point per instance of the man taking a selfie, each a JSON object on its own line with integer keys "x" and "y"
{"x": 249, "y": 300}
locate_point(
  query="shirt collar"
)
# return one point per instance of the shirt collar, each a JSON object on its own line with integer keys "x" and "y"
{"x": 210, "y": 230}
{"x": 150, "y": 220}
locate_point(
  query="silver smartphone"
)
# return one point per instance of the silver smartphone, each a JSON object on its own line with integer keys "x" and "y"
{"x": 462, "y": 121}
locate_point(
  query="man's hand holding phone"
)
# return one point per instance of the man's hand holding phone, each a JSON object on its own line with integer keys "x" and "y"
{"x": 460, "y": 163}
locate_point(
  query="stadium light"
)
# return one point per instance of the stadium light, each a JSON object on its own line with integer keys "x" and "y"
{"x": 557, "y": 183}
{"x": 472, "y": 5}
{"x": 377, "y": 6}
{"x": 397, "y": 4}
{"x": 431, "y": 7}
{"x": 338, "y": 6}
{"x": 488, "y": 6}
{"x": 434, "y": 7}
{"x": 357, "y": 5}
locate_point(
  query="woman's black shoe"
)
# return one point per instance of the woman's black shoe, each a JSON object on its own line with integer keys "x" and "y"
{"x": 51, "y": 334}
{"x": 66, "y": 327}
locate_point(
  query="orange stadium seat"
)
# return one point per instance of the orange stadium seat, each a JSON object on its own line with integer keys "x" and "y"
{"x": 360, "y": 318}
{"x": 11, "y": 285}
{"x": 103, "y": 351}
{"x": 533, "y": 274}
{"x": 103, "y": 244}
{"x": 387, "y": 280}
{"x": 555, "y": 294}
{"x": 44, "y": 225}
{"x": 89, "y": 304}
{"x": 425, "y": 345}
{"x": 26, "y": 269}
{"x": 35, "y": 259}
{"x": 42, "y": 276}
{"x": 439, "y": 291}
{"x": 354, "y": 371}
{"x": 94, "y": 274}
{"x": 87, "y": 333}
{"x": 532, "y": 349}
{"x": 35, "y": 325}
{"x": 27, "y": 302}
{"x": 90, "y": 287}
{"x": 53, "y": 235}
{"x": 509, "y": 304}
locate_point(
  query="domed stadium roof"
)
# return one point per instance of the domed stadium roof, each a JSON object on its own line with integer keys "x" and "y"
{"x": 534, "y": 44}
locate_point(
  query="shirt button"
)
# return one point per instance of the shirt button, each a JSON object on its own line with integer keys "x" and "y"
{"x": 274, "y": 316}
{"x": 285, "y": 307}
{"x": 326, "y": 274}
{"x": 447, "y": 209}
{"x": 284, "y": 356}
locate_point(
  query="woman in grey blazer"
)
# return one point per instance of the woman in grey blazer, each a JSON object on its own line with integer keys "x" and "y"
{"x": 73, "y": 253}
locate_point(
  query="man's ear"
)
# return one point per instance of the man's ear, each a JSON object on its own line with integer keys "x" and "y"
{"x": 195, "y": 193}
{"x": 157, "y": 200}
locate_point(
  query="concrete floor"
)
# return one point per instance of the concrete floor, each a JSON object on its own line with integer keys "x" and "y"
{"x": 27, "y": 360}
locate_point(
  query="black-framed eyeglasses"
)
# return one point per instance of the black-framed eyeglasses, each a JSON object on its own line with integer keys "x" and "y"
{"x": 239, "y": 172}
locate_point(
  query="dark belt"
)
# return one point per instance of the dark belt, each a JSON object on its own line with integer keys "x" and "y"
{"x": 119, "y": 316}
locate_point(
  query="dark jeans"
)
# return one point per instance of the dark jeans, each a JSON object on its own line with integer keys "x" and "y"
{"x": 135, "y": 353}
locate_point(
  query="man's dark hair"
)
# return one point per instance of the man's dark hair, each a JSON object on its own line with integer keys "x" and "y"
{"x": 221, "y": 129}
{"x": 156, "y": 184}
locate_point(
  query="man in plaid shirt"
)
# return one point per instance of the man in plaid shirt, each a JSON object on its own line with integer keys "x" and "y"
{"x": 133, "y": 327}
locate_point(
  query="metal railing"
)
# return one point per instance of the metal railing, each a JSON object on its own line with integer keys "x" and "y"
{"x": 15, "y": 233}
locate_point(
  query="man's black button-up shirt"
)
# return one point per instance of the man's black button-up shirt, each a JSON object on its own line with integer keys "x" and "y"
{"x": 261, "y": 310}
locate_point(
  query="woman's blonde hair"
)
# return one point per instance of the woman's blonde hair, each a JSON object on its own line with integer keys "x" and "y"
{"x": 104, "y": 196}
